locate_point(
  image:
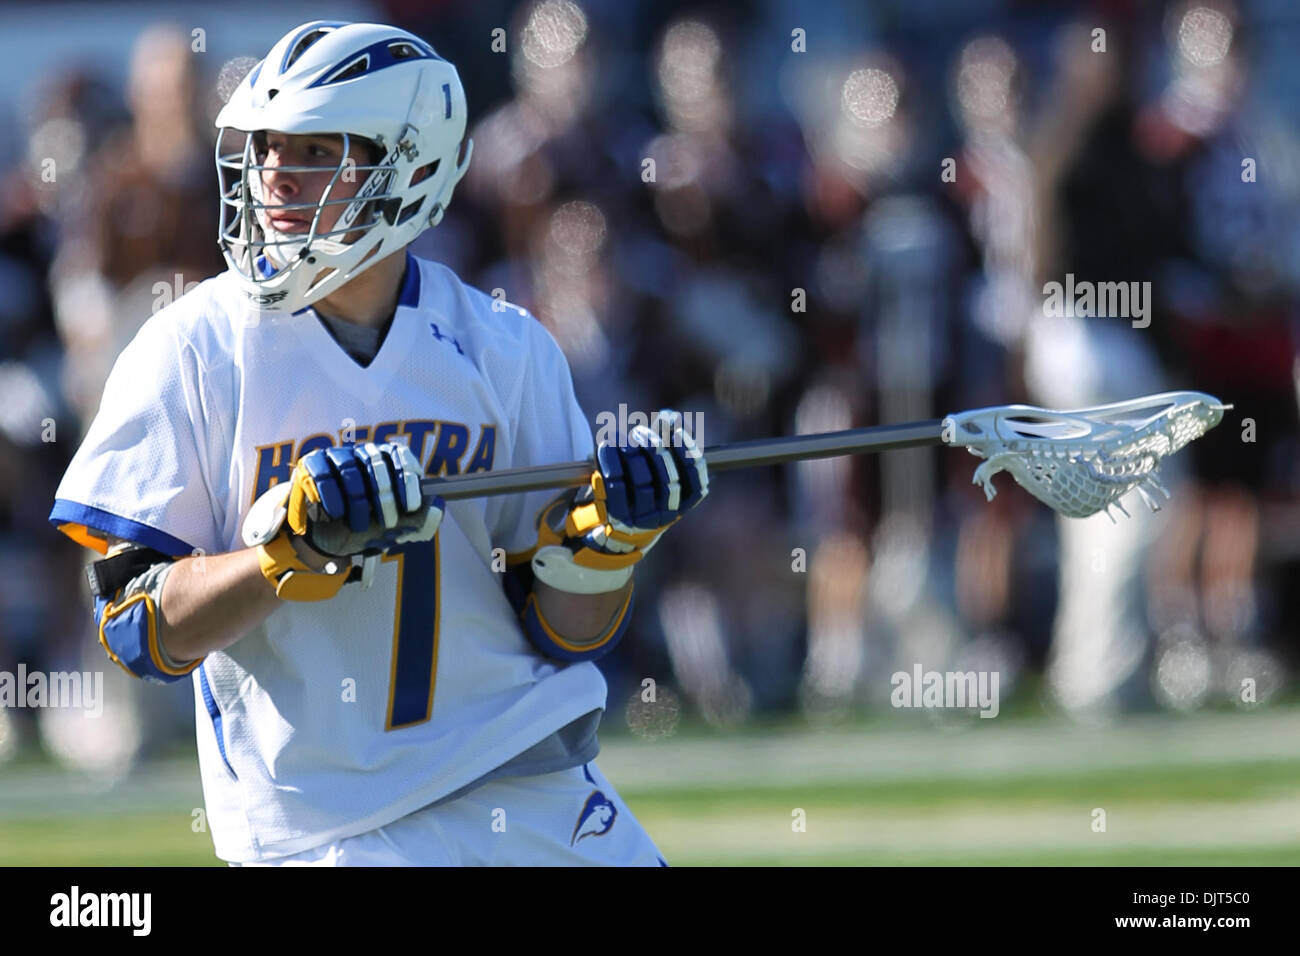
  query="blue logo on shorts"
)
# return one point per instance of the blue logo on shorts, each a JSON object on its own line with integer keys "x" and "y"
{"x": 597, "y": 816}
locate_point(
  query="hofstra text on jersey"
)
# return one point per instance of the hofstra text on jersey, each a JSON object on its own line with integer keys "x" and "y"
{"x": 441, "y": 447}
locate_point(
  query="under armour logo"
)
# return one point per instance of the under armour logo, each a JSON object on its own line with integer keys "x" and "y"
{"x": 445, "y": 338}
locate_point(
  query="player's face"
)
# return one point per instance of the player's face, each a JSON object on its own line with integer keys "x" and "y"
{"x": 281, "y": 187}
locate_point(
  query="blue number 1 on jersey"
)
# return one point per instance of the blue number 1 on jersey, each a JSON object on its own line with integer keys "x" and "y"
{"x": 415, "y": 634}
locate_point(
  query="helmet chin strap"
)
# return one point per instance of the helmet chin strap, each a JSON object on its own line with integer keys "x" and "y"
{"x": 280, "y": 249}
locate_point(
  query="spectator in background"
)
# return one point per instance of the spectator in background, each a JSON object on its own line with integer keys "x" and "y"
{"x": 1102, "y": 220}
{"x": 69, "y": 116}
{"x": 148, "y": 217}
{"x": 139, "y": 220}
{"x": 1230, "y": 287}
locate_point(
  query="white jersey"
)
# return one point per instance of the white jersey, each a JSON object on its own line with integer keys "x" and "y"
{"x": 336, "y": 717}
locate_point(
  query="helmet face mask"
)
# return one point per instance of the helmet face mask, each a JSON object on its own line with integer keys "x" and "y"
{"x": 247, "y": 232}
{"x": 360, "y": 204}
{"x": 365, "y": 84}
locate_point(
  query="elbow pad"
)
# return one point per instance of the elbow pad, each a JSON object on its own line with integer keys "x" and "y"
{"x": 543, "y": 637}
{"x": 546, "y": 640}
{"x": 127, "y": 619}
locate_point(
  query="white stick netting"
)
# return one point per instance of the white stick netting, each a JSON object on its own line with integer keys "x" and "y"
{"x": 1082, "y": 461}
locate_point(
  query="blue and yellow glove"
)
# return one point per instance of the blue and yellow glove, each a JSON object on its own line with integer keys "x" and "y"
{"x": 339, "y": 502}
{"x": 588, "y": 541}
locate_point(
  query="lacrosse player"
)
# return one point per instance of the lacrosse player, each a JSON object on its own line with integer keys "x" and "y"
{"x": 379, "y": 678}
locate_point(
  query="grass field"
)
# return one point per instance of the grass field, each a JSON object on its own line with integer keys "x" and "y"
{"x": 1210, "y": 789}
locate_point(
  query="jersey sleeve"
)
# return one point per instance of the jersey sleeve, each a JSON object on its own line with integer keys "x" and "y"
{"x": 550, "y": 428}
{"x": 144, "y": 470}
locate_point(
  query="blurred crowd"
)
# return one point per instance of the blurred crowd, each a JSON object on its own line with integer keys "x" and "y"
{"x": 784, "y": 221}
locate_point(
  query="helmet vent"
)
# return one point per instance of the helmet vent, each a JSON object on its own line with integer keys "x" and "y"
{"x": 403, "y": 51}
{"x": 409, "y": 211}
{"x": 355, "y": 68}
{"x": 301, "y": 47}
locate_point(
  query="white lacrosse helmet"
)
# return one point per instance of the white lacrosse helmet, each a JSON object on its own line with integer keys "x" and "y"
{"x": 363, "y": 80}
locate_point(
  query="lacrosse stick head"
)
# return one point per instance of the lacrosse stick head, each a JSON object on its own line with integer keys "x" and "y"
{"x": 1082, "y": 461}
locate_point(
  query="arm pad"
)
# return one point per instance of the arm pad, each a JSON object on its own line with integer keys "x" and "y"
{"x": 519, "y": 589}
{"x": 128, "y": 622}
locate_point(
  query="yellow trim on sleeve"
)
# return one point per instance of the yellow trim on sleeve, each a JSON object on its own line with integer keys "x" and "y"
{"x": 84, "y": 536}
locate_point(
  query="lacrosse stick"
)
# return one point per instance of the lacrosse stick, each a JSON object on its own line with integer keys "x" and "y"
{"x": 1076, "y": 462}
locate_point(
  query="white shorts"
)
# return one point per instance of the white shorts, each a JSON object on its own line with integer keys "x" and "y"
{"x": 569, "y": 818}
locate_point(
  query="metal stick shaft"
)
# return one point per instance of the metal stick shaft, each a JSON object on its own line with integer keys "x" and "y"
{"x": 745, "y": 454}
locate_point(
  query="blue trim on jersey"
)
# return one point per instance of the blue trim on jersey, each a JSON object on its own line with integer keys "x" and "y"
{"x": 380, "y": 58}
{"x": 73, "y": 512}
{"x": 215, "y": 713}
{"x": 410, "y": 295}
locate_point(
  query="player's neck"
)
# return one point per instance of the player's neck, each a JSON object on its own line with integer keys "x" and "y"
{"x": 371, "y": 297}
